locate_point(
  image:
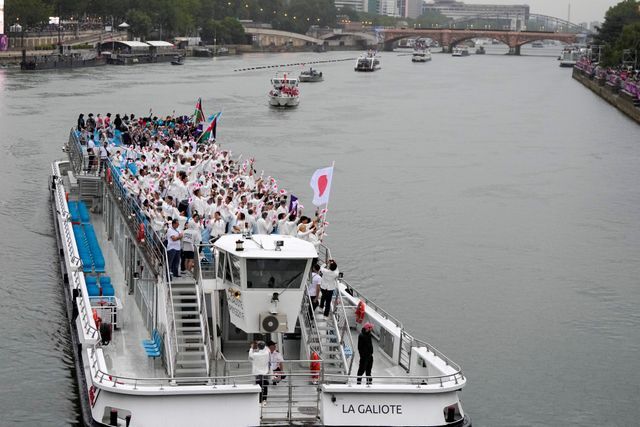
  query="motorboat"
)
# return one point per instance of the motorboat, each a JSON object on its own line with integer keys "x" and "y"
{"x": 284, "y": 91}
{"x": 369, "y": 61}
{"x": 460, "y": 51}
{"x": 480, "y": 50}
{"x": 310, "y": 76}
{"x": 421, "y": 55}
{"x": 570, "y": 56}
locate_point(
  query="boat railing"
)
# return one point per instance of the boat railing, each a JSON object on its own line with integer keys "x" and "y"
{"x": 310, "y": 327}
{"x": 207, "y": 269}
{"x": 151, "y": 243}
{"x": 152, "y": 248}
{"x": 407, "y": 341}
{"x": 172, "y": 331}
{"x": 75, "y": 275}
{"x": 79, "y": 157}
{"x": 202, "y": 311}
{"x": 301, "y": 370}
{"x": 344, "y": 333}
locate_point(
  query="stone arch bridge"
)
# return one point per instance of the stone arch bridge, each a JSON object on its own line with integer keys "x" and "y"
{"x": 448, "y": 38}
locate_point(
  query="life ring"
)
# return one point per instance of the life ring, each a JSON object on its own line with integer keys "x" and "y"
{"x": 141, "y": 233}
{"x": 360, "y": 311}
{"x": 315, "y": 367}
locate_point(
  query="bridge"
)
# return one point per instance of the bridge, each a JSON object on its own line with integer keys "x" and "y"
{"x": 354, "y": 38}
{"x": 448, "y": 38}
{"x": 269, "y": 38}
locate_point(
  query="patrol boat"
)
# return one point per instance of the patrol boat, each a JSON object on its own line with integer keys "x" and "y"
{"x": 151, "y": 351}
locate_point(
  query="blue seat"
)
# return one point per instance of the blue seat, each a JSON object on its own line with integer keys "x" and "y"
{"x": 94, "y": 290}
{"x": 153, "y": 347}
{"x": 132, "y": 168}
{"x": 105, "y": 280}
{"x": 84, "y": 212}
{"x": 108, "y": 291}
{"x": 74, "y": 211}
{"x": 91, "y": 280}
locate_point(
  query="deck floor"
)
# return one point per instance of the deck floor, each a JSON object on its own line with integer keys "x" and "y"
{"x": 125, "y": 355}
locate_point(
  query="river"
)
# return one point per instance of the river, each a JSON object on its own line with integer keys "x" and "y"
{"x": 490, "y": 202}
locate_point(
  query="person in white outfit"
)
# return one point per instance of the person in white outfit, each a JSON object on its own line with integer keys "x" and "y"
{"x": 259, "y": 355}
{"x": 328, "y": 285}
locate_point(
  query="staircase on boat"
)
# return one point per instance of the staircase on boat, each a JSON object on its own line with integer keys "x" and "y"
{"x": 192, "y": 355}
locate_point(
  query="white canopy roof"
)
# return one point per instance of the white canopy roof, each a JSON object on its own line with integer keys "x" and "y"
{"x": 159, "y": 43}
{"x": 134, "y": 44}
{"x": 263, "y": 246}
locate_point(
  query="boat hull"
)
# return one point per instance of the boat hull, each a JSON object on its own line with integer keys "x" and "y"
{"x": 284, "y": 101}
{"x": 310, "y": 79}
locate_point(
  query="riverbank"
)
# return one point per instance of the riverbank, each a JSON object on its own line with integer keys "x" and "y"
{"x": 610, "y": 93}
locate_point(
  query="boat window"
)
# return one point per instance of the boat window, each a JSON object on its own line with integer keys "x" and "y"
{"x": 222, "y": 256}
{"x": 275, "y": 273}
{"x": 234, "y": 262}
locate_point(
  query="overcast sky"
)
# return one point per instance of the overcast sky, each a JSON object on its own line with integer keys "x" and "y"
{"x": 581, "y": 10}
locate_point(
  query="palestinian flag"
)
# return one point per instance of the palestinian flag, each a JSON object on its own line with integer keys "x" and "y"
{"x": 198, "y": 115}
{"x": 209, "y": 133}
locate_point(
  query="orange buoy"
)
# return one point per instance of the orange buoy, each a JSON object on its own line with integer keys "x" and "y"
{"x": 97, "y": 320}
{"x": 360, "y": 311}
{"x": 315, "y": 367}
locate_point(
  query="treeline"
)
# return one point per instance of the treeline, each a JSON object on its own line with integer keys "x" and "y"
{"x": 620, "y": 32}
{"x": 166, "y": 18}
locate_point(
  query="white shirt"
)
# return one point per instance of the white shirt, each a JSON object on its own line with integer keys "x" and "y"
{"x": 217, "y": 227}
{"x": 329, "y": 279}
{"x": 264, "y": 227}
{"x": 312, "y": 288}
{"x": 275, "y": 358}
{"x": 259, "y": 361}
{"x": 190, "y": 239}
{"x": 173, "y": 244}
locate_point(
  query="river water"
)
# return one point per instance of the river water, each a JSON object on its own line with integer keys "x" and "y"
{"x": 490, "y": 202}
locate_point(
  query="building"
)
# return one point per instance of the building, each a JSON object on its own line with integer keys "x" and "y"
{"x": 410, "y": 8}
{"x": 388, "y": 8}
{"x": 518, "y": 15}
{"x": 357, "y": 5}
{"x": 594, "y": 25}
{"x": 1, "y": 16}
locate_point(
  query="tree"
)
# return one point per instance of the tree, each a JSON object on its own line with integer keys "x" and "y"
{"x": 619, "y": 31}
{"x": 141, "y": 24}
{"x": 27, "y": 13}
{"x": 625, "y": 12}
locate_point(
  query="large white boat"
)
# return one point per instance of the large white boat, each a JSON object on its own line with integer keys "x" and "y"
{"x": 570, "y": 56}
{"x": 152, "y": 350}
{"x": 369, "y": 61}
{"x": 284, "y": 91}
{"x": 460, "y": 51}
{"x": 421, "y": 55}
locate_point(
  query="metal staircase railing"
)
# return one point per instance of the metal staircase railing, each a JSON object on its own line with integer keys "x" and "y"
{"x": 202, "y": 310}
{"x": 344, "y": 332}
{"x": 310, "y": 329}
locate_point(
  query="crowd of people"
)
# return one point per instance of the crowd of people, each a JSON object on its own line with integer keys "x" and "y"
{"x": 624, "y": 78}
{"x": 189, "y": 188}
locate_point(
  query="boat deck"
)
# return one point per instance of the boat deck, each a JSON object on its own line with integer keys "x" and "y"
{"x": 125, "y": 355}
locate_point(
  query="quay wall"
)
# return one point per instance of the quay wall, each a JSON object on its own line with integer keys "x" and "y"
{"x": 609, "y": 93}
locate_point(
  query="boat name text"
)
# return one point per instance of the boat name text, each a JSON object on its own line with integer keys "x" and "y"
{"x": 372, "y": 409}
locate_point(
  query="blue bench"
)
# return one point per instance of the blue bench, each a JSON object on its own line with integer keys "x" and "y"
{"x": 153, "y": 347}
{"x": 101, "y": 287}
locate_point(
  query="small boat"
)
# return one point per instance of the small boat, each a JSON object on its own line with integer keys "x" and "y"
{"x": 311, "y": 76}
{"x": 369, "y": 61}
{"x": 460, "y": 51}
{"x": 421, "y": 55}
{"x": 285, "y": 91}
{"x": 178, "y": 60}
{"x": 480, "y": 50}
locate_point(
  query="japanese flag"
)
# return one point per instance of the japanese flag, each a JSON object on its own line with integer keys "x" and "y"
{"x": 321, "y": 185}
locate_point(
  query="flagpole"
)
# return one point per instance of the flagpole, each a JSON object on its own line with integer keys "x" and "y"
{"x": 326, "y": 206}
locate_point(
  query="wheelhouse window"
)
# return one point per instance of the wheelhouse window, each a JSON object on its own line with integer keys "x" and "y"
{"x": 275, "y": 273}
{"x": 229, "y": 268}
